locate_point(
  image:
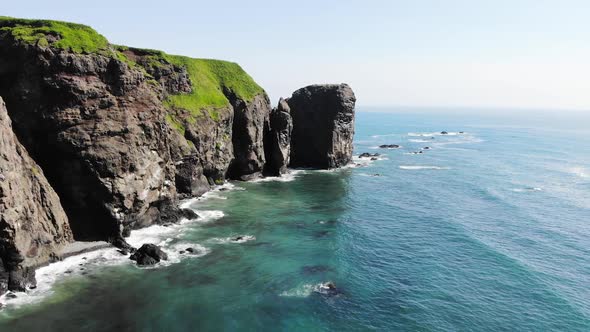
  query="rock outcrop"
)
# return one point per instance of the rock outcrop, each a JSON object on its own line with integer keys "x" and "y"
{"x": 121, "y": 134}
{"x": 278, "y": 140}
{"x": 323, "y": 126}
{"x": 149, "y": 254}
{"x": 250, "y": 124}
{"x": 33, "y": 225}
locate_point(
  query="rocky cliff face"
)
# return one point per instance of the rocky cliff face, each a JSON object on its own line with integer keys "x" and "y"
{"x": 278, "y": 140}
{"x": 121, "y": 134}
{"x": 323, "y": 126}
{"x": 33, "y": 225}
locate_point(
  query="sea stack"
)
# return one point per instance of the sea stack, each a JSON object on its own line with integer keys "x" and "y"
{"x": 323, "y": 126}
{"x": 33, "y": 224}
{"x": 278, "y": 140}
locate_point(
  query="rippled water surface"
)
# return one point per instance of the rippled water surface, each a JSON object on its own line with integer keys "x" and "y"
{"x": 487, "y": 230}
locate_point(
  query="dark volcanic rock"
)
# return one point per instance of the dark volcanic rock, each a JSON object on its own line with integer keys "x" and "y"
{"x": 21, "y": 279}
{"x": 368, "y": 155}
{"x": 149, "y": 254}
{"x": 389, "y": 146}
{"x": 323, "y": 126}
{"x": 33, "y": 225}
{"x": 97, "y": 129}
{"x": 277, "y": 143}
{"x": 250, "y": 123}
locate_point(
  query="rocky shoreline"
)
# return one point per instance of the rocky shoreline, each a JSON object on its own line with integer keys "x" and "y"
{"x": 98, "y": 139}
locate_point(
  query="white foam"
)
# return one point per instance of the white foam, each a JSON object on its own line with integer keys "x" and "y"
{"x": 421, "y": 140}
{"x": 359, "y": 162}
{"x": 306, "y": 290}
{"x": 580, "y": 171}
{"x": 450, "y": 133}
{"x": 416, "y": 167}
{"x": 463, "y": 140}
{"x": 385, "y": 135}
{"x": 48, "y": 275}
{"x": 528, "y": 189}
{"x": 233, "y": 239}
{"x": 290, "y": 176}
{"x": 76, "y": 265}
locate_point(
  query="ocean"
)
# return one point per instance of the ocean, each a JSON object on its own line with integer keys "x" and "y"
{"x": 487, "y": 230}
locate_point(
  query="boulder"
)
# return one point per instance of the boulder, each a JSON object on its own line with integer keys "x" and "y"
{"x": 323, "y": 126}
{"x": 149, "y": 254}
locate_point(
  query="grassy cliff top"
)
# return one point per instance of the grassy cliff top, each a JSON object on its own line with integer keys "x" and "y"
{"x": 209, "y": 78}
{"x": 73, "y": 37}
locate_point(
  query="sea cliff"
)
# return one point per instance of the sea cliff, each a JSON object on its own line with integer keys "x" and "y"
{"x": 99, "y": 139}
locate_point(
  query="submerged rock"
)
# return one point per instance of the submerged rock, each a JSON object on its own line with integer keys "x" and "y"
{"x": 389, "y": 146}
{"x": 368, "y": 155}
{"x": 149, "y": 254}
{"x": 323, "y": 126}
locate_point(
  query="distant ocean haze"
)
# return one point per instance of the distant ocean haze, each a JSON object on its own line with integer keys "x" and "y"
{"x": 485, "y": 230}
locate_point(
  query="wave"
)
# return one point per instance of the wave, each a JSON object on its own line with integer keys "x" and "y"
{"x": 423, "y": 167}
{"x": 82, "y": 264}
{"x": 420, "y": 140}
{"x": 290, "y": 176}
{"x": 528, "y": 189}
{"x": 463, "y": 140}
{"x": 450, "y": 133}
{"x": 580, "y": 171}
{"x": 385, "y": 135}
{"x": 233, "y": 239}
{"x": 306, "y": 290}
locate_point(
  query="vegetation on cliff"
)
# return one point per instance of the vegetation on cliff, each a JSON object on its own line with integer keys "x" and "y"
{"x": 212, "y": 81}
{"x": 73, "y": 37}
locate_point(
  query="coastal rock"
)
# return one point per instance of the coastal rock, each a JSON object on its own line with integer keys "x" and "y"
{"x": 368, "y": 155}
{"x": 33, "y": 225}
{"x": 98, "y": 131}
{"x": 149, "y": 254}
{"x": 251, "y": 121}
{"x": 323, "y": 126}
{"x": 277, "y": 142}
{"x": 389, "y": 146}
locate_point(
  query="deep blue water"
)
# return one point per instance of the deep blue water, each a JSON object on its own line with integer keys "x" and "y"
{"x": 488, "y": 230}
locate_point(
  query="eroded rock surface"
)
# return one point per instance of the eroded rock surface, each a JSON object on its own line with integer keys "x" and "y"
{"x": 323, "y": 126}
{"x": 33, "y": 225}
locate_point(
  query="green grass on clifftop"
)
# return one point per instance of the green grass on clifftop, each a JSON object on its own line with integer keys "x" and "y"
{"x": 209, "y": 78}
{"x": 74, "y": 37}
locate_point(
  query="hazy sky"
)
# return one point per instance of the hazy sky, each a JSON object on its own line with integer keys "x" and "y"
{"x": 497, "y": 53}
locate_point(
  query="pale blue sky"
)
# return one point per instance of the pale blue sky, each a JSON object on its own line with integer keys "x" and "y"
{"x": 500, "y": 53}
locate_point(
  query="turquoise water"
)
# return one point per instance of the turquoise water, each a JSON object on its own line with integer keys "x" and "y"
{"x": 489, "y": 230}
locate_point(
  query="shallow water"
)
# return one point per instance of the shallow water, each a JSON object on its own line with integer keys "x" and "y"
{"x": 486, "y": 231}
